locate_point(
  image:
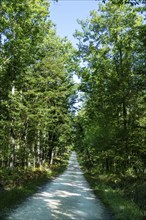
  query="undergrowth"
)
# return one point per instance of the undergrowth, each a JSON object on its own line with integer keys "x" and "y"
{"x": 117, "y": 199}
{"x": 18, "y": 184}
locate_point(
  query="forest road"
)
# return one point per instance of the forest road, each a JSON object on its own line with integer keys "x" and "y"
{"x": 67, "y": 197}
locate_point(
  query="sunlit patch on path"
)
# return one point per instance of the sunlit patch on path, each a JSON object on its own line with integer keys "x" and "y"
{"x": 67, "y": 197}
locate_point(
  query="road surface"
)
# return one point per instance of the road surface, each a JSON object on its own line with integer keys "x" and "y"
{"x": 67, "y": 197}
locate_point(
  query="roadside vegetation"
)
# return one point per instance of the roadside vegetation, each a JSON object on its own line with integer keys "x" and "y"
{"x": 111, "y": 125}
{"x": 38, "y": 118}
{"x": 125, "y": 197}
{"x": 36, "y": 97}
{"x": 19, "y": 184}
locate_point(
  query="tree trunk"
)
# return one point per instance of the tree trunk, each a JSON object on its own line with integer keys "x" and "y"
{"x": 52, "y": 157}
{"x": 12, "y": 154}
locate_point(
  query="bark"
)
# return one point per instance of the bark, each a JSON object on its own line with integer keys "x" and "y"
{"x": 52, "y": 157}
{"x": 12, "y": 154}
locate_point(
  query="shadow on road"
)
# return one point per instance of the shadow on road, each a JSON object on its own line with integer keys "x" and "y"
{"x": 67, "y": 197}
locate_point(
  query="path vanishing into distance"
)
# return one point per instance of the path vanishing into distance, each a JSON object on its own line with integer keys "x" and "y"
{"x": 67, "y": 197}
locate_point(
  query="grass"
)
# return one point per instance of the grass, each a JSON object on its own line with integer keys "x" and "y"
{"x": 20, "y": 184}
{"x": 122, "y": 207}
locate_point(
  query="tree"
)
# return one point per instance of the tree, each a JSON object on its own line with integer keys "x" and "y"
{"x": 36, "y": 85}
{"x": 109, "y": 47}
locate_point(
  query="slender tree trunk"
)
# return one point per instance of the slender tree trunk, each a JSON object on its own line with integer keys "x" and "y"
{"x": 52, "y": 157}
{"x": 34, "y": 156}
{"x": 52, "y": 138}
{"x": 12, "y": 154}
{"x": 24, "y": 156}
{"x": 43, "y": 148}
{"x": 25, "y": 143}
{"x": 38, "y": 148}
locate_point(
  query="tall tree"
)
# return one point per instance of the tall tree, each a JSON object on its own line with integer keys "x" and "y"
{"x": 109, "y": 47}
{"x": 36, "y": 85}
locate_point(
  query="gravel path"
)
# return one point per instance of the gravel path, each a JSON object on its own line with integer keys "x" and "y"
{"x": 67, "y": 197}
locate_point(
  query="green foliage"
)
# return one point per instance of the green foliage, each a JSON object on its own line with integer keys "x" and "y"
{"x": 110, "y": 127}
{"x": 22, "y": 183}
{"x": 36, "y": 86}
{"x": 115, "y": 199}
{"x": 113, "y": 115}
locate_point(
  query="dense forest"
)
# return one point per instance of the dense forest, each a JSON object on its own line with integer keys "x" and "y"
{"x": 36, "y": 86}
{"x": 38, "y": 120}
{"x": 111, "y": 125}
{"x": 112, "y": 122}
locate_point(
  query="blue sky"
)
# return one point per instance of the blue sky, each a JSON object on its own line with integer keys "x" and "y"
{"x": 65, "y": 13}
